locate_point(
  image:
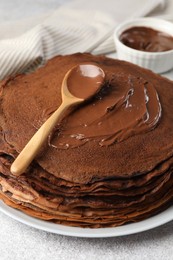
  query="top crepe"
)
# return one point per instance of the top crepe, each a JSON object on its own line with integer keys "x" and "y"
{"x": 28, "y": 100}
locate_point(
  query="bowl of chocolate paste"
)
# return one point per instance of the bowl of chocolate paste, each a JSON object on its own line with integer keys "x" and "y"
{"x": 147, "y": 42}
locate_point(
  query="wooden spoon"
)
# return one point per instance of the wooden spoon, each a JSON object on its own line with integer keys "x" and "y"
{"x": 79, "y": 84}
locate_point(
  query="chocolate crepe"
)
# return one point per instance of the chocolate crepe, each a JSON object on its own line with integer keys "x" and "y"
{"x": 107, "y": 163}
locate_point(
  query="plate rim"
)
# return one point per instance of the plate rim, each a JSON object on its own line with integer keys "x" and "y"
{"x": 128, "y": 229}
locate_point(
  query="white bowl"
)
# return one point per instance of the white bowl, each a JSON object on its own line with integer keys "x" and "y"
{"x": 156, "y": 61}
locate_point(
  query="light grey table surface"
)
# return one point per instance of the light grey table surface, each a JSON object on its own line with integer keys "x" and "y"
{"x": 18, "y": 241}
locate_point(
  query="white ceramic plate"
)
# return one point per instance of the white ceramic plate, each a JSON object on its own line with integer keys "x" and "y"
{"x": 144, "y": 225}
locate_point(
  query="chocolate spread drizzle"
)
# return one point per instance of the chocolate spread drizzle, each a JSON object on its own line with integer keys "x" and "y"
{"x": 115, "y": 114}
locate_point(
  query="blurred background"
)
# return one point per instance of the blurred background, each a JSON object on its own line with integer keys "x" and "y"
{"x": 11, "y": 10}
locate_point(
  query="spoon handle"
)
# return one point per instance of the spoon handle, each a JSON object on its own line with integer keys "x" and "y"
{"x": 33, "y": 146}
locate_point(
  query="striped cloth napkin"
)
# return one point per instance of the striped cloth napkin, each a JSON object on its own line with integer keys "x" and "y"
{"x": 78, "y": 26}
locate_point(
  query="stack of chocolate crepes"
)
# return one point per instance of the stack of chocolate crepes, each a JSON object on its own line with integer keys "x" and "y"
{"x": 107, "y": 163}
